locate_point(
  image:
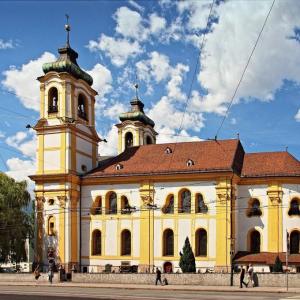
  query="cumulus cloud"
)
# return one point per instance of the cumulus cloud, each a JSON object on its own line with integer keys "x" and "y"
{"x": 109, "y": 148}
{"x": 297, "y": 116}
{"x": 25, "y": 142}
{"x": 20, "y": 170}
{"x": 119, "y": 50}
{"x": 102, "y": 79}
{"x": 22, "y": 81}
{"x": 157, "y": 23}
{"x": 6, "y": 44}
{"x": 228, "y": 46}
{"x": 114, "y": 110}
{"x": 158, "y": 68}
{"x": 129, "y": 23}
{"x": 136, "y": 5}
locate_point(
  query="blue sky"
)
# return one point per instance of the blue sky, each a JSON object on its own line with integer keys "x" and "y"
{"x": 159, "y": 41}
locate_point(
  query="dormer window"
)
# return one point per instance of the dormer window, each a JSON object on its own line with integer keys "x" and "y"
{"x": 53, "y": 100}
{"x": 190, "y": 163}
{"x": 119, "y": 167}
{"x": 149, "y": 140}
{"x": 168, "y": 150}
{"x": 82, "y": 107}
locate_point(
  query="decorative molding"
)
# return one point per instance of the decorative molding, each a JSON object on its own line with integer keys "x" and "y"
{"x": 62, "y": 201}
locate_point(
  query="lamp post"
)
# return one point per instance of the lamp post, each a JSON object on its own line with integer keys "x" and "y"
{"x": 152, "y": 207}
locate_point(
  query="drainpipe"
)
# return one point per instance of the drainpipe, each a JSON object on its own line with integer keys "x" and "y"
{"x": 231, "y": 230}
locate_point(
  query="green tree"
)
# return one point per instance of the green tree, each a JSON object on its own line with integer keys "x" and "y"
{"x": 187, "y": 258}
{"x": 16, "y": 224}
{"x": 277, "y": 265}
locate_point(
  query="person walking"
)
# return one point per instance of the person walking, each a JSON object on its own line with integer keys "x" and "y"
{"x": 158, "y": 276}
{"x": 250, "y": 276}
{"x": 50, "y": 275}
{"x": 242, "y": 276}
{"x": 37, "y": 273}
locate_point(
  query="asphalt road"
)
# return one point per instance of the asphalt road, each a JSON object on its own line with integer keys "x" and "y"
{"x": 78, "y": 293}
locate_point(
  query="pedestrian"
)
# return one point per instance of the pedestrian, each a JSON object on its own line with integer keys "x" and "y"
{"x": 250, "y": 276}
{"x": 50, "y": 275}
{"x": 242, "y": 276}
{"x": 37, "y": 273}
{"x": 158, "y": 276}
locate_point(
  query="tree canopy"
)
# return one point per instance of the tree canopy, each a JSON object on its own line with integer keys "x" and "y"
{"x": 187, "y": 258}
{"x": 16, "y": 224}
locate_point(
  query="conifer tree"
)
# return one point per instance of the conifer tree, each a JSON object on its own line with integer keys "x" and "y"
{"x": 278, "y": 265}
{"x": 187, "y": 258}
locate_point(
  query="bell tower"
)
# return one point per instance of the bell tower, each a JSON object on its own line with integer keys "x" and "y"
{"x": 136, "y": 128}
{"x": 67, "y": 148}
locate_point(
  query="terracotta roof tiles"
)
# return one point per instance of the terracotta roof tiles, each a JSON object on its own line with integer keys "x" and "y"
{"x": 207, "y": 156}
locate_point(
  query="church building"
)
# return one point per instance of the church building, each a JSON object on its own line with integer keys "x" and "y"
{"x": 134, "y": 211}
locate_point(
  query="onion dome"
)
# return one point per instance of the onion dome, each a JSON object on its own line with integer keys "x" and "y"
{"x": 137, "y": 112}
{"x": 66, "y": 62}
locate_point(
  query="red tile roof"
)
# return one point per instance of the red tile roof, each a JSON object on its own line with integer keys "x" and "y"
{"x": 208, "y": 156}
{"x": 265, "y": 258}
{"x": 270, "y": 164}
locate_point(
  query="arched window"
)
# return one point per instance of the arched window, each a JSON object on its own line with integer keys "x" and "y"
{"x": 125, "y": 242}
{"x": 254, "y": 241}
{"x": 149, "y": 140}
{"x": 168, "y": 243}
{"x": 201, "y": 242}
{"x": 200, "y": 205}
{"x": 184, "y": 202}
{"x": 96, "y": 242}
{"x": 125, "y": 206}
{"x": 51, "y": 225}
{"x": 168, "y": 208}
{"x": 294, "y": 242}
{"x": 254, "y": 208}
{"x": 111, "y": 204}
{"x": 128, "y": 139}
{"x": 82, "y": 107}
{"x": 53, "y": 100}
{"x": 294, "y": 207}
{"x": 97, "y": 206}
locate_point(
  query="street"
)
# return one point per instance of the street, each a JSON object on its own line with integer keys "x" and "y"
{"x": 65, "y": 293}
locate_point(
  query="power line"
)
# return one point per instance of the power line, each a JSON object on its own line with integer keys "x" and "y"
{"x": 244, "y": 71}
{"x": 193, "y": 78}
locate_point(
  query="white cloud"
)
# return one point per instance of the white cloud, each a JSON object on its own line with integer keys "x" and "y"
{"x": 102, "y": 79}
{"x": 25, "y": 142}
{"x": 233, "y": 121}
{"x": 158, "y": 67}
{"x": 297, "y": 116}
{"x": 20, "y": 170}
{"x": 157, "y": 24}
{"x": 228, "y": 47}
{"x": 118, "y": 50}
{"x": 6, "y": 44}
{"x": 166, "y": 114}
{"x": 129, "y": 23}
{"x": 114, "y": 110}
{"x": 2, "y": 134}
{"x": 136, "y": 5}
{"x": 198, "y": 12}
{"x": 22, "y": 81}
{"x": 109, "y": 148}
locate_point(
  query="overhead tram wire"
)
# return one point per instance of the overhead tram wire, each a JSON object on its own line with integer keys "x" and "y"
{"x": 193, "y": 78}
{"x": 244, "y": 71}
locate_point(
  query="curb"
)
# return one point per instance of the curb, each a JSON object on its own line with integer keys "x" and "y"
{"x": 151, "y": 287}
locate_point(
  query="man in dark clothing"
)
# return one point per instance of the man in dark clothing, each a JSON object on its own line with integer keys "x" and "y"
{"x": 242, "y": 276}
{"x": 158, "y": 276}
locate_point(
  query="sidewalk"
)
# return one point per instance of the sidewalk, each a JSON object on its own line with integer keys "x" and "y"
{"x": 153, "y": 287}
